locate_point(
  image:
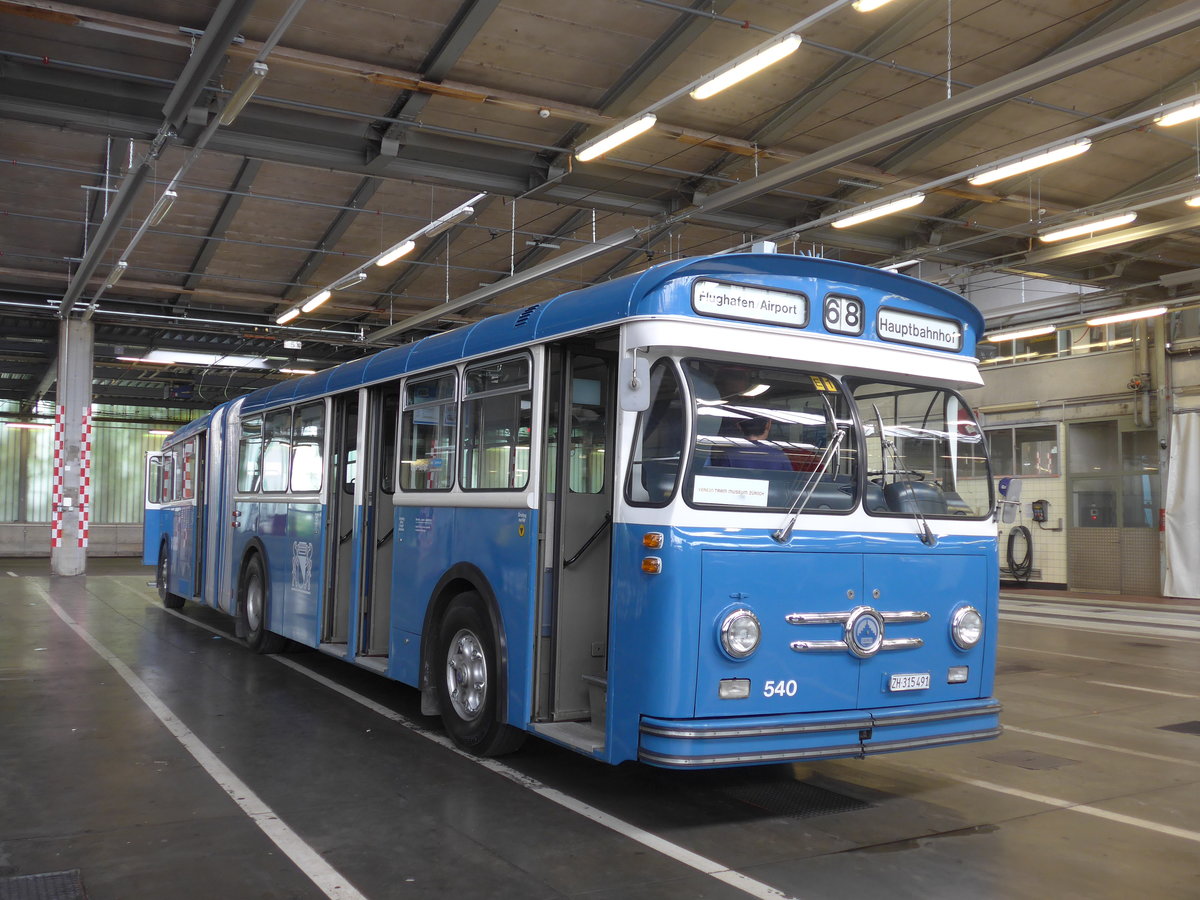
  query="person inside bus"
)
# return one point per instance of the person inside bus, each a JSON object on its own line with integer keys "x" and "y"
{"x": 756, "y": 451}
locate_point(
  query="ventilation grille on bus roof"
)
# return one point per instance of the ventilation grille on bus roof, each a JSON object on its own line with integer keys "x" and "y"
{"x": 526, "y": 315}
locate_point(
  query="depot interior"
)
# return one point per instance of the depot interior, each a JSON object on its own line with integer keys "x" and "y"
{"x": 203, "y": 198}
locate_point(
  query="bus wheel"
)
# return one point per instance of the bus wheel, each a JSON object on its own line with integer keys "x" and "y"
{"x": 468, "y": 679}
{"x": 253, "y": 610}
{"x": 162, "y": 577}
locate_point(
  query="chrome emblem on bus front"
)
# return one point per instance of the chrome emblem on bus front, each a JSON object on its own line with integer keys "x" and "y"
{"x": 864, "y": 632}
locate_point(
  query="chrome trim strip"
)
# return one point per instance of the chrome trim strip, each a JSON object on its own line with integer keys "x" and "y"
{"x": 759, "y": 731}
{"x": 935, "y": 741}
{"x": 901, "y": 643}
{"x": 884, "y": 720}
{"x": 684, "y": 762}
{"x": 832, "y": 618}
{"x": 802, "y": 646}
{"x": 909, "y": 615}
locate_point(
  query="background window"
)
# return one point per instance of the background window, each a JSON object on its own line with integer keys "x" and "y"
{"x": 308, "y": 441}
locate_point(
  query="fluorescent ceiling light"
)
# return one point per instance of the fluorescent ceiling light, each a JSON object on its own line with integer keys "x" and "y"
{"x": 1088, "y": 227}
{"x": 288, "y": 316}
{"x": 743, "y": 69}
{"x": 299, "y": 371}
{"x": 1002, "y": 336}
{"x": 1175, "y": 117}
{"x": 1028, "y": 163}
{"x": 869, "y": 5}
{"x": 30, "y": 425}
{"x": 115, "y": 275}
{"x": 1128, "y": 316}
{"x": 159, "y": 431}
{"x": 348, "y": 281}
{"x": 897, "y": 266}
{"x": 401, "y": 249}
{"x": 614, "y": 137}
{"x": 188, "y": 358}
{"x": 882, "y": 210}
{"x": 446, "y": 222}
{"x": 1193, "y": 201}
{"x": 316, "y": 300}
{"x": 243, "y": 92}
{"x": 162, "y": 207}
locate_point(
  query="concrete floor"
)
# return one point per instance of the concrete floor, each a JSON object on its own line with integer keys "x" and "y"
{"x": 338, "y": 787}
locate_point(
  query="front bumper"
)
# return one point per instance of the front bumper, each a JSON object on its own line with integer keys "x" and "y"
{"x": 711, "y": 743}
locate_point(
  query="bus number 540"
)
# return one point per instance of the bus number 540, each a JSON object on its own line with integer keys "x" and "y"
{"x": 780, "y": 688}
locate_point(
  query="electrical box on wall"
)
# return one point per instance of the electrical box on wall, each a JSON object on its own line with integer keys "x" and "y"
{"x": 1040, "y": 510}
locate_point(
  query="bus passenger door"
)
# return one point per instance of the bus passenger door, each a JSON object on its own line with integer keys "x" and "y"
{"x": 378, "y": 519}
{"x": 152, "y": 522}
{"x": 339, "y": 530}
{"x": 577, "y": 535}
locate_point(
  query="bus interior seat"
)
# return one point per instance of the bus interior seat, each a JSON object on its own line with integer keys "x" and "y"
{"x": 915, "y": 496}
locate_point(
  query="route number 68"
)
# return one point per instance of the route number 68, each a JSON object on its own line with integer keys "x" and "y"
{"x": 780, "y": 688}
{"x": 843, "y": 315}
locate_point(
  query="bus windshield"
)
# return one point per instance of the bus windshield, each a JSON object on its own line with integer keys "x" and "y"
{"x": 924, "y": 451}
{"x": 762, "y": 434}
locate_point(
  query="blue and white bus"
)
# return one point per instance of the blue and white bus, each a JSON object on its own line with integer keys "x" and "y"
{"x": 726, "y": 511}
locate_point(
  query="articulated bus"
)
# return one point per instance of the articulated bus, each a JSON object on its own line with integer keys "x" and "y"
{"x": 726, "y": 511}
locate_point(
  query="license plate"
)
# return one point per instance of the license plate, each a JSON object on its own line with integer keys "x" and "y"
{"x": 913, "y": 681}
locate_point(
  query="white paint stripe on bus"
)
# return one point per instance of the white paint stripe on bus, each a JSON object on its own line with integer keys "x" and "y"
{"x": 1085, "y": 809}
{"x": 1082, "y": 743}
{"x": 1130, "y": 687}
{"x": 323, "y": 875}
{"x": 680, "y": 854}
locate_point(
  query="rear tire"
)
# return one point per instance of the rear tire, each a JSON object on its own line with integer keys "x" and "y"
{"x": 253, "y": 607}
{"x": 467, "y": 674}
{"x": 162, "y": 576}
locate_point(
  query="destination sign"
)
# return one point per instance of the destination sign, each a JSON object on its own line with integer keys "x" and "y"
{"x": 920, "y": 331}
{"x": 752, "y": 304}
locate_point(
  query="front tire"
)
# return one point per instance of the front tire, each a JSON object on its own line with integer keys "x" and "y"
{"x": 468, "y": 680}
{"x": 253, "y": 609}
{"x": 162, "y": 576}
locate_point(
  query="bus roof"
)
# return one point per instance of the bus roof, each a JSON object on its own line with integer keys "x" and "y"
{"x": 628, "y": 297}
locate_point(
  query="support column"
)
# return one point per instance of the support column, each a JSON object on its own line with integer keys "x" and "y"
{"x": 68, "y": 543}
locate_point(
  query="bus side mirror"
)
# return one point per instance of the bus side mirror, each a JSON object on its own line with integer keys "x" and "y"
{"x": 633, "y": 384}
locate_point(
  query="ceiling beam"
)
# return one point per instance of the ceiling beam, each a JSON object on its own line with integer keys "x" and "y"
{"x": 229, "y": 208}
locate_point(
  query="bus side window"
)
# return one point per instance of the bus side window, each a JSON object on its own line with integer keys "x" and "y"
{"x": 658, "y": 445}
{"x": 168, "y": 476}
{"x": 429, "y": 434}
{"x": 154, "y": 480}
{"x": 307, "y": 460}
{"x": 277, "y": 448}
{"x": 497, "y": 412}
{"x": 387, "y": 442}
{"x": 250, "y": 456}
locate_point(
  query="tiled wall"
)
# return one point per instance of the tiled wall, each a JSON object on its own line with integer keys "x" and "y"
{"x": 1049, "y": 546}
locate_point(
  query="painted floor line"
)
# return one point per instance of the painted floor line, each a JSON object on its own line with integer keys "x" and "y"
{"x": 1157, "y": 757}
{"x": 1083, "y": 808}
{"x": 323, "y": 875}
{"x": 1130, "y": 687}
{"x": 680, "y": 854}
{"x": 1124, "y": 662}
{"x": 1130, "y": 629}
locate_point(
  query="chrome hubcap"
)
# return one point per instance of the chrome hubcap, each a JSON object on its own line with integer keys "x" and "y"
{"x": 466, "y": 675}
{"x": 254, "y": 603}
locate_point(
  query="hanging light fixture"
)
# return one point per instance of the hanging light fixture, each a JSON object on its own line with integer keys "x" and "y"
{"x": 1078, "y": 229}
{"x": 316, "y": 300}
{"x": 1029, "y": 163}
{"x": 743, "y": 67}
{"x": 1179, "y": 116}
{"x": 614, "y": 137}
{"x": 1133, "y": 314}
{"x": 876, "y": 212}
{"x": 403, "y": 248}
{"x": 1002, "y": 336}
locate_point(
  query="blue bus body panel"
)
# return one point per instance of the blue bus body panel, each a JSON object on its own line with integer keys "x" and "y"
{"x": 501, "y": 545}
{"x": 153, "y": 529}
{"x": 290, "y": 536}
{"x": 182, "y": 517}
{"x": 436, "y": 350}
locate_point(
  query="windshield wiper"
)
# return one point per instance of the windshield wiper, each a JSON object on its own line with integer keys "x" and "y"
{"x": 928, "y": 538}
{"x": 784, "y": 534}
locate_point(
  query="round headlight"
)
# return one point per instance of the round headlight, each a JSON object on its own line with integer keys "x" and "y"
{"x": 966, "y": 627}
{"x": 740, "y": 633}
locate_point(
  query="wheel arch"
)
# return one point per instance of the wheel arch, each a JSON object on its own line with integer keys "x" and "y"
{"x": 253, "y": 548}
{"x": 459, "y": 578}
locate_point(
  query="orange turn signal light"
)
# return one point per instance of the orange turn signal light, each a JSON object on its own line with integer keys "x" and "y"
{"x": 652, "y": 540}
{"x": 651, "y": 565}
